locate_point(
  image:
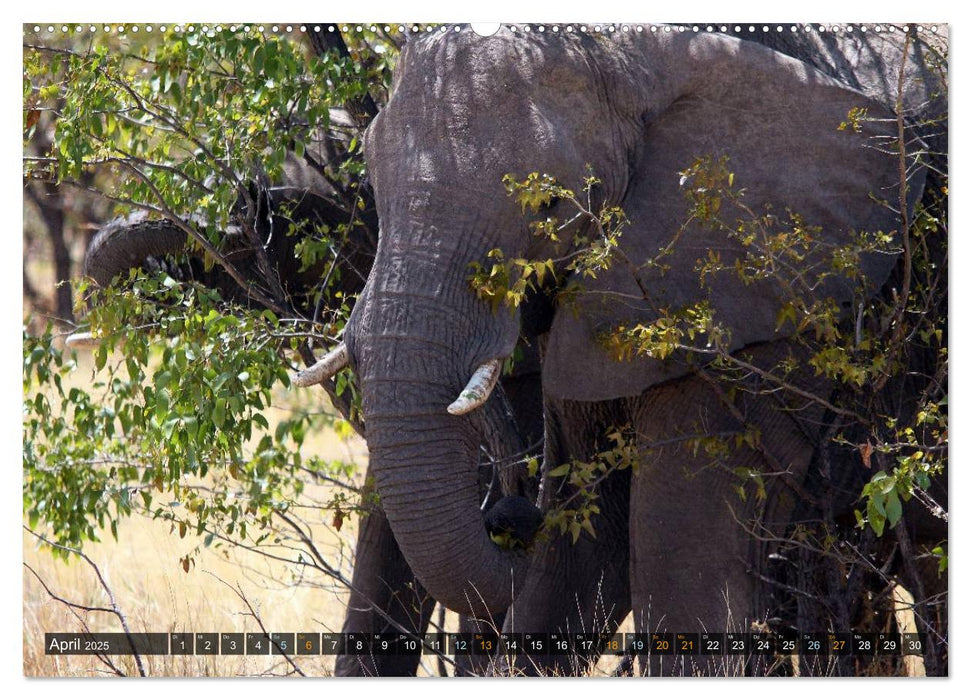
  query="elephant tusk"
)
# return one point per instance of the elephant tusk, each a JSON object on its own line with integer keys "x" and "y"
{"x": 477, "y": 391}
{"x": 325, "y": 368}
{"x": 82, "y": 341}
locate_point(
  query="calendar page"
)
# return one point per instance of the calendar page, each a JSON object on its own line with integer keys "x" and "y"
{"x": 409, "y": 349}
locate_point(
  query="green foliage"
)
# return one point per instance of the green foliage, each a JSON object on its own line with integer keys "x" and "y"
{"x": 535, "y": 191}
{"x": 884, "y": 494}
{"x": 595, "y": 235}
{"x": 183, "y": 115}
{"x": 575, "y": 512}
{"x": 855, "y": 119}
{"x": 918, "y": 453}
{"x": 175, "y": 427}
{"x": 181, "y": 123}
{"x": 940, "y": 552}
{"x": 506, "y": 282}
{"x": 175, "y": 421}
{"x": 670, "y": 332}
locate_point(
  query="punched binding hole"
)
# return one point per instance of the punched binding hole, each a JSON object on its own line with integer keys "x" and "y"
{"x": 485, "y": 28}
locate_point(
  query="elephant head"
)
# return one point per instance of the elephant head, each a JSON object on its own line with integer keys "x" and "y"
{"x": 635, "y": 110}
{"x": 299, "y": 203}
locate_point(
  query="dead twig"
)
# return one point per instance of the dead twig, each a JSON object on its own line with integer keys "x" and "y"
{"x": 114, "y": 608}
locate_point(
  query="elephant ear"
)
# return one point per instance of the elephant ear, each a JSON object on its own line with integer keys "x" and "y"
{"x": 776, "y": 120}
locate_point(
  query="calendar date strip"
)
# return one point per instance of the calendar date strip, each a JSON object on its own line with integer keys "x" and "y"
{"x": 527, "y": 643}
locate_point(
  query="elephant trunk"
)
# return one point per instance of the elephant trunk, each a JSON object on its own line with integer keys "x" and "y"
{"x": 127, "y": 243}
{"x": 425, "y": 463}
{"x": 415, "y": 338}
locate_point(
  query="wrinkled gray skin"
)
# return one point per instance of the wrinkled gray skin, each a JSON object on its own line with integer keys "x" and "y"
{"x": 465, "y": 111}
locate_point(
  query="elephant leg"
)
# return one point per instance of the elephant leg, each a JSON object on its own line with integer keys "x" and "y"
{"x": 695, "y": 546}
{"x": 688, "y": 556}
{"x": 383, "y": 587}
{"x": 580, "y": 587}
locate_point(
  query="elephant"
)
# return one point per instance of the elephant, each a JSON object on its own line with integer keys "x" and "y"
{"x": 302, "y": 199}
{"x": 672, "y": 544}
{"x": 384, "y": 595}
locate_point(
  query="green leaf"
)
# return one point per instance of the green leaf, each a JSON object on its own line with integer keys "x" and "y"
{"x": 893, "y": 509}
{"x": 219, "y": 413}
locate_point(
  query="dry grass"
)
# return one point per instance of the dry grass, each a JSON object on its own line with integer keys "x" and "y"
{"x": 151, "y": 588}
